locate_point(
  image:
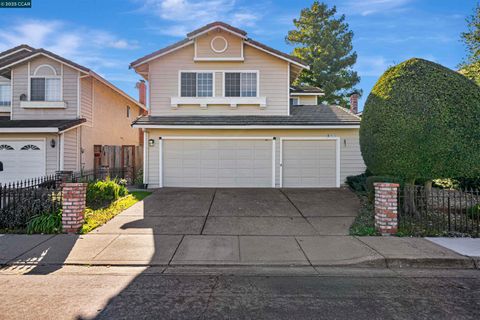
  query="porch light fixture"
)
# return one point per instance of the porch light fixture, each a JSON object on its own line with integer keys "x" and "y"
{"x": 151, "y": 142}
{"x": 53, "y": 143}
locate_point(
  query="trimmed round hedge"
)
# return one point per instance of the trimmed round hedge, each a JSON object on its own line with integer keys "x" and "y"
{"x": 422, "y": 121}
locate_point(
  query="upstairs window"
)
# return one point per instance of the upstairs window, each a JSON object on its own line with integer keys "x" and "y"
{"x": 196, "y": 84}
{"x": 241, "y": 84}
{"x": 294, "y": 102}
{"x": 5, "y": 95}
{"x": 45, "y": 85}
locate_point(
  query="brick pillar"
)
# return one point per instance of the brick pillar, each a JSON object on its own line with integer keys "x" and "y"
{"x": 73, "y": 206}
{"x": 386, "y": 207}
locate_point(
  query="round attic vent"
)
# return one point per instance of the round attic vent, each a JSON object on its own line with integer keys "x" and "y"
{"x": 219, "y": 44}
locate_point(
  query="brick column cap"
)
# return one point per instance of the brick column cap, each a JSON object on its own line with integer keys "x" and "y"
{"x": 386, "y": 184}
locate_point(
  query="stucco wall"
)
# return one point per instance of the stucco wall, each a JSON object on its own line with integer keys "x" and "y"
{"x": 110, "y": 125}
{"x": 164, "y": 82}
{"x": 351, "y": 161}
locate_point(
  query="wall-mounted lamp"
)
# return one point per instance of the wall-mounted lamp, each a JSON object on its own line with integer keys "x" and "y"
{"x": 53, "y": 143}
{"x": 151, "y": 142}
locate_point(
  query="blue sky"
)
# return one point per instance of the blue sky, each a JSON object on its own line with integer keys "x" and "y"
{"x": 107, "y": 35}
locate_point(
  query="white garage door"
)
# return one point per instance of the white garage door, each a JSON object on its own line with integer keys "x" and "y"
{"x": 21, "y": 159}
{"x": 309, "y": 163}
{"x": 217, "y": 162}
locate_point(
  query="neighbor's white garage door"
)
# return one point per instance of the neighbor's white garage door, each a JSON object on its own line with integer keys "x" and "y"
{"x": 21, "y": 159}
{"x": 309, "y": 163}
{"x": 217, "y": 163}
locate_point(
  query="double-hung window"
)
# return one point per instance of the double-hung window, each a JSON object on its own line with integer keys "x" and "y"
{"x": 45, "y": 89}
{"x": 5, "y": 95}
{"x": 241, "y": 84}
{"x": 196, "y": 84}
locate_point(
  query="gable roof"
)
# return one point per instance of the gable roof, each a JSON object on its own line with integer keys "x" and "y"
{"x": 214, "y": 25}
{"x": 7, "y": 125}
{"x": 30, "y": 53}
{"x": 321, "y": 115}
{"x": 306, "y": 90}
{"x": 22, "y": 47}
{"x": 218, "y": 24}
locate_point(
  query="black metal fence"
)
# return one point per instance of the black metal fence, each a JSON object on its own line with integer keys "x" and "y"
{"x": 434, "y": 212}
{"x": 22, "y": 200}
{"x": 100, "y": 174}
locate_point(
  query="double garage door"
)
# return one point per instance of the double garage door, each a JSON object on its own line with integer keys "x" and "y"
{"x": 249, "y": 162}
{"x": 21, "y": 159}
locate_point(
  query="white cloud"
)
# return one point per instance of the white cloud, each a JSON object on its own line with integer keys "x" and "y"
{"x": 368, "y": 7}
{"x": 372, "y": 66}
{"x": 187, "y": 15}
{"x": 82, "y": 45}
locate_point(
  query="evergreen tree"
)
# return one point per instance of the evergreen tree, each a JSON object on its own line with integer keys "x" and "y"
{"x": 471, "y": 66}
{"x": 325, "y": 43}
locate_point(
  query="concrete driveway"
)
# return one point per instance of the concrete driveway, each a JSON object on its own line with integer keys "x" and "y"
{"x": 259, "y": 212}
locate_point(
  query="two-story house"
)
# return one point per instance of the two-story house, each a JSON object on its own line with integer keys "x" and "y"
{"x": 220, "y": 116}
{"x": 53, "y": 112}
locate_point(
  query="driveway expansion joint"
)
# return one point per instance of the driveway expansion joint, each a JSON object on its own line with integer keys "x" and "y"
{"x": 209, "y": 209}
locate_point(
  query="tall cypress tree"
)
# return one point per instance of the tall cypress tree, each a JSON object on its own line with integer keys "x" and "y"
{"x": 471, "y": 66}
{"x": 325, "y": 43}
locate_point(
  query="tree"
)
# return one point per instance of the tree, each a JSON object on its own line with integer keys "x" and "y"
{"x": 471, "y": 66}
{"x": 420, "y": 121}
{"x": 324, "y": 42}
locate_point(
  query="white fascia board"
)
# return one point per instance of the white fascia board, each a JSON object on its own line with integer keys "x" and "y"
{"x": 46, "y": 55}
{"x": 71, "y": 128}
{"x": 217, "y": 27}
{"x": 307, "y": 94}
{"x": 28, "y": 130}
{"x": 208, "y": 127}
{"x": 162, "y": 54}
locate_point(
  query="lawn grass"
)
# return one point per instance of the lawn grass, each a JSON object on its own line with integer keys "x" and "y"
{"x": 98, "y": 217}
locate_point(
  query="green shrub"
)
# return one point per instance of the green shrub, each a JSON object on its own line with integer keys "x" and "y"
{"x": 358, "y": 182}
{"x": 139, "y": 178}
{"x": 421, "y": 121}
{"x": 474, "y": 212}
{"x": 47, "y": 223}
{"x": 103, "y": 192}
{"x": 469, "y": 183}
{"x": 445, "y": 183}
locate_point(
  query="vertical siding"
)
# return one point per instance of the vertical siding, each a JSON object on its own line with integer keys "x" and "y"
{"x": 234, "y": 45}
{"x": 351, "y": 161}
{"x": 70, "y": 150}
{"x": 164, "y": 73}
{"x": 86, "y": 100}
{"x": 70, "y": 86}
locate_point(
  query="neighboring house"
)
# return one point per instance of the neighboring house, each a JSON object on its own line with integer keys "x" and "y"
{"x": 220, "y": 117}
{"x": 52, "y": 113}
{"x": 304, "y": 95}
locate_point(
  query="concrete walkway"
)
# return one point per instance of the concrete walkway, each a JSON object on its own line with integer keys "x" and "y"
{"x": 227, "y": 227}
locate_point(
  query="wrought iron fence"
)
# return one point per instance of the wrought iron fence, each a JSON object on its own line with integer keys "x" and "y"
{"x": 22, "y": 200}
{"x": 432, "y": 212}
{"x": 100, "y": 174}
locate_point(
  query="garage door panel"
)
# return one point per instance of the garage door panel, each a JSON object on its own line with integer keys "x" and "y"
{"x": 217, "y": 163}
{"x": 20, "y": 161}
{"x": 309, "y": 163}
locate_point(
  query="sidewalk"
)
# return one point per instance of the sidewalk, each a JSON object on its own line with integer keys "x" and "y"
{"x": 203, "y": 250}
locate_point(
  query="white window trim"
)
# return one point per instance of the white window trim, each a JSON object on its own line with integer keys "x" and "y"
{"x": 295, "y": 98}
{"x": 213, "y": 47}
{"x": 195, "y": 71}
{"x": 162, "y": 138}
{"x": 337, "y": 154}
{"x": 241, "y": 71}
{"x": 56, "y": 76}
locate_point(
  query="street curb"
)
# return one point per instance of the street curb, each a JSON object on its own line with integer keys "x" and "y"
{"x": 431, "y": 263}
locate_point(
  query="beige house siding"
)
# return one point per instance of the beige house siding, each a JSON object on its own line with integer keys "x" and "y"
{"x": 110, "y": 125}
{"x": 351, "y": 161}
{"x": 71, "y": 150}
{"x": 204, "y": 49}
{"x": 51, "y": 153}
{"x": 86, "y": 100}
{"x": 164, "y": 81}
{"x": 305, "y": 100}
{"x": 69, "y": 84}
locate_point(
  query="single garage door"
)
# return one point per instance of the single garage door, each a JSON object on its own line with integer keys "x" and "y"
{"x": 21, "y": 159}
{"x": 217, "y": 162}
{"x": 309, "y": 163}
